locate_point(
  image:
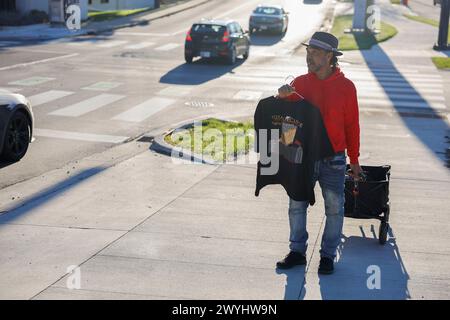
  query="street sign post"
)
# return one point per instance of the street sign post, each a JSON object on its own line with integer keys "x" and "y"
{"x": 443, "y": 26}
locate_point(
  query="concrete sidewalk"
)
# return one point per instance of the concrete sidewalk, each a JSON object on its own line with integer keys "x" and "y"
{"x": 48, "y": 32}
{"x": 144, "y": 227}
{"x": 140, "y": 226}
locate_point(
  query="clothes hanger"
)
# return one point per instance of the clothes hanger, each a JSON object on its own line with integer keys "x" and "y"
{"x": 291, "y": 83}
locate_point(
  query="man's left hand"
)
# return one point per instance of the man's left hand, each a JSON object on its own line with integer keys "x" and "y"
{"x": 356, "y": 171}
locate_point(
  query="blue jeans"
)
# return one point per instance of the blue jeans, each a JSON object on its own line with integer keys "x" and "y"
{"x": 331, "y": 176}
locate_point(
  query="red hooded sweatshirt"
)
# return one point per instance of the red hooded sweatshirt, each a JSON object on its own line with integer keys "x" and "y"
{"x": 336, "y": 98}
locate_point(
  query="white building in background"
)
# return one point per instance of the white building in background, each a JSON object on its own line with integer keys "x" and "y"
{"x": 108, "y": 5}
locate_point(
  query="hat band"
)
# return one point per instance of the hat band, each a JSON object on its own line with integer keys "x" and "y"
{"x": 321, "y": 44}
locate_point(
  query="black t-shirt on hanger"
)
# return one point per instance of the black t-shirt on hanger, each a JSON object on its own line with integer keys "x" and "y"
{"x": 302, "y": 140}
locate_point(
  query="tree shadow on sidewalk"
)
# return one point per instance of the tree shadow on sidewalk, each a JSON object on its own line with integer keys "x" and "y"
{"x": 431, "y": 136}
{"x": 361, "y": 261}
{"x": 46, "y": 195}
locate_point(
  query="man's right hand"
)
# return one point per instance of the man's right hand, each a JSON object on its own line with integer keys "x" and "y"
{"x": 285, "y": 91}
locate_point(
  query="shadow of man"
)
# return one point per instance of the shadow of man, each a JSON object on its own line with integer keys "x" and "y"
{"x": 366, "y": 271}
{"x": 295, "y": 283}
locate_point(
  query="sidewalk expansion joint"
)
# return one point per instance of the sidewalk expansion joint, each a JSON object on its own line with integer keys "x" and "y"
{"x": 211, "y": 237}
{"x": 61, "y": 227}
{"x": 189, "y": 262}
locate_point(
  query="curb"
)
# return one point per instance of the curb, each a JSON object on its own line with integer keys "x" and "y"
{"x": 160, "y": 146}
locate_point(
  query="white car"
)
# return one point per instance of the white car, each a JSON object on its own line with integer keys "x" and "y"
{"x": 16, "y": 126}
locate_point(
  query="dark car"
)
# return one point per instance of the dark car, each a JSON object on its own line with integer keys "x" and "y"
{"x": 269, "y": 18}
{"x": 16, "y": 126}
{"x": 216, "y": 39}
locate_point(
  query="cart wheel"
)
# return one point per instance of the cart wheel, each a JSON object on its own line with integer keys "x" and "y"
{"x": 382, "y": 235}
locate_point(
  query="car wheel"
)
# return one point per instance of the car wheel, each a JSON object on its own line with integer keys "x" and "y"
{"x": 232, "y": 58}
{"x": 17, "y": 137}
{"x": 246, "y": 54}
{"x": 188, "y": 58}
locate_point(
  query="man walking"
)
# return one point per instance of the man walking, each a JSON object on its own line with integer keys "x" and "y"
{"x": 326, "y": 87}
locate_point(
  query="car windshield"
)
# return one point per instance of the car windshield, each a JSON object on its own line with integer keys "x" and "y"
{"x": 267, "y": 10}
{"x": 208, "y": 28}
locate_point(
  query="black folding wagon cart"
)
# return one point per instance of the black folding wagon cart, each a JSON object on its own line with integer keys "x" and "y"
{"x": 369, "y": 197}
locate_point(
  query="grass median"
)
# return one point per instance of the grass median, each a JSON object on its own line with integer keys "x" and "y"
{"x": 442, "y": 63}
{"x": 97, "y": 16}
{"x": 359, "y": 41}
{"x": 215, "y": 139}
{"x": 110, "y": 15}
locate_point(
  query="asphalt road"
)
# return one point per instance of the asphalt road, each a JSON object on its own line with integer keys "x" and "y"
{"x": 91, "y": 93}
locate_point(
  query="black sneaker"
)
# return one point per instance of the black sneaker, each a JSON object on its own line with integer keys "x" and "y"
{"x": 291, "y": 260}
{"x": 326, "y": 266}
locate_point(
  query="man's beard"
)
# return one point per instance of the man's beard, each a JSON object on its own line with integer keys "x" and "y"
{"x": 313, "y": 67}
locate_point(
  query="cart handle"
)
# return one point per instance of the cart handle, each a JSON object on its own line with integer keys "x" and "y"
{"x": 362, "y": 175}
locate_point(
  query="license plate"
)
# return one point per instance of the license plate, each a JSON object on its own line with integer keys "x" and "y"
{"x": 205, "y": 54}
{"x": 263, "y": 27}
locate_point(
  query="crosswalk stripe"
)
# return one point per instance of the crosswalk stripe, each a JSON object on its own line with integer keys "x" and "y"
{"x": 138, "y": 46}
{"x": 150, "y": 34}
{"x": 88, "y": 105}
{"x": 394, "y": 74}
{"x": 399, "y": 90}
{"x": 177, "y": 91}
{"x": 144, "y": 110}
{"x": 401, "y": 104}
{"x": 390, "y": 84}
{"x": 366, "y": 83}
{"x": 69, "y": 135}
{"x": 247, "y": 95}
{"x": 403, "y": 68}
{"x": 48, "y": 96}
{"x": 111, "y": 44}
{"x": 9, "y": 90}
{"x": 31, "y": 81}
{"x": 102, "y": 86}
{"x": 397, "y": 79}
{"x": 353, "y": 77}
{"x": 168, "y": 47}
{"x": 406, "y": 97}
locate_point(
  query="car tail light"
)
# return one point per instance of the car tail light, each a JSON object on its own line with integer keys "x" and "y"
{"x": 188, "y": 36}
{"x": 226, "y": 37}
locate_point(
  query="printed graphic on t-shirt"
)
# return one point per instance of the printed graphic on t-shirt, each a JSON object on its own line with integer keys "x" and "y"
{"x": 291, "y": 147}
